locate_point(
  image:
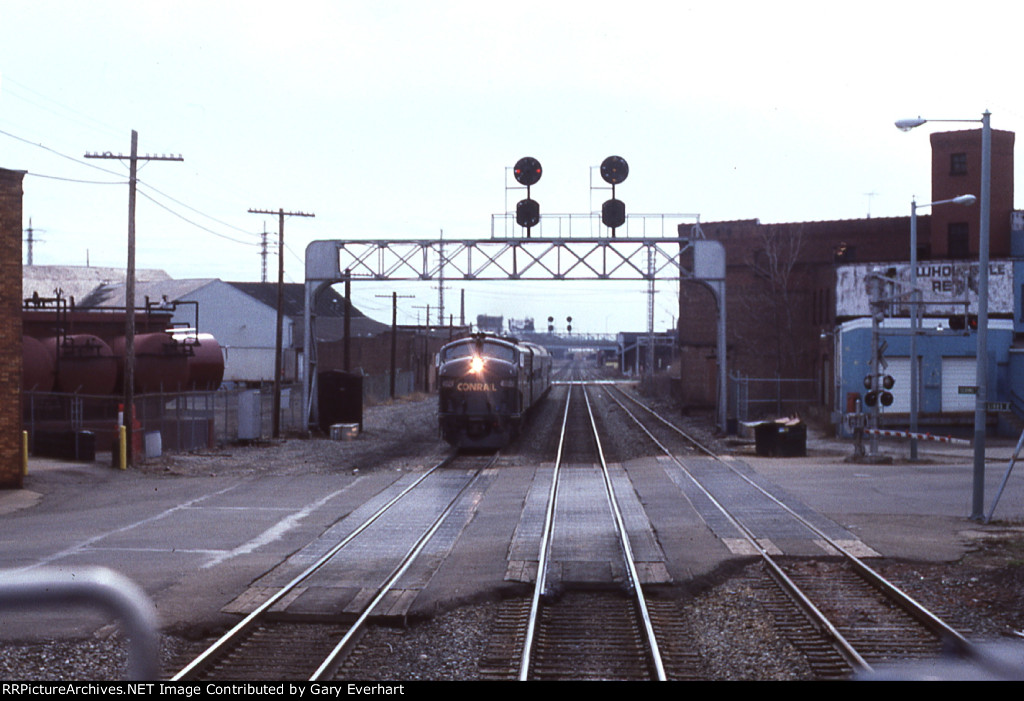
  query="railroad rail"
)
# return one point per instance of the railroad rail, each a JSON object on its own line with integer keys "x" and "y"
{"x": 825, "y": 595}
{"x": 616, "y": 631}
{"x": 260, "y": 647}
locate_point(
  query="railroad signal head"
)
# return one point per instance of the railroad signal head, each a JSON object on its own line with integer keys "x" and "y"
{"x": 614, "y": 169}
{"x": 527, "y": 171}
{"x": 613, "y": 213}
{"x": 527, "y": 213}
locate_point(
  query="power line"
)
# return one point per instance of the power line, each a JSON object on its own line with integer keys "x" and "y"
{"x": 196, "y": 224}
{"x": 58, "y": 153}
{"x": 109, "y": 155}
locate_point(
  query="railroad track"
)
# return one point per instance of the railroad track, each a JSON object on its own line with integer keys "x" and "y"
{"x": 262, "y": 646}
{"x": 568, "y": 633}
{"x": 841, "y": 614}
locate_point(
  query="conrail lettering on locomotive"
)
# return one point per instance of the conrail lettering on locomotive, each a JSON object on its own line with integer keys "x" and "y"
{"x": 475, "y": 387}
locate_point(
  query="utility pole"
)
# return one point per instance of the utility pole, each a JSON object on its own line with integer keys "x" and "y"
{"x": 263, "y": 254}
{"x": 129, "y": 287}
{"x": 347, "y": 359}
{"x": 30, "y": 240}
{"x": 440, "y": 283}
{"x": 394, "y": 336}
{"x": 281, "y": 214}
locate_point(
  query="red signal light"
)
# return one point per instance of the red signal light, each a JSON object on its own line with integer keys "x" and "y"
{"x": 527, "y": 171}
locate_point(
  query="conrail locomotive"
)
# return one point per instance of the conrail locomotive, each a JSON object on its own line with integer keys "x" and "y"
{"x": 487, "y": 384}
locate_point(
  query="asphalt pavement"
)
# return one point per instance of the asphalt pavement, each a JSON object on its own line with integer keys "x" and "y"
{"x": 194, "y": 544}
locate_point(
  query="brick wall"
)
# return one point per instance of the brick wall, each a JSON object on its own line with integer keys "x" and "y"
{"x": 10, "y": 328}
{"x": 947, "y": 185}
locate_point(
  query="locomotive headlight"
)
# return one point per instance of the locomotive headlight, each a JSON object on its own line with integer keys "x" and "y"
{"x": 476, "y": 365}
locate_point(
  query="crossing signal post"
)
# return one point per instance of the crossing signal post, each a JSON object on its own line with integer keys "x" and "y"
{"x": 614, "y": 170}
{"x": 527, "y": 171}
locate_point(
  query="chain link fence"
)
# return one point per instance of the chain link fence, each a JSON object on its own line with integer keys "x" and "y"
{"x": 176, "y": 422}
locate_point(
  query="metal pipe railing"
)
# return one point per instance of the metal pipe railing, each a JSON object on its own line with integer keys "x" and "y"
{"x": 102, "y": 588}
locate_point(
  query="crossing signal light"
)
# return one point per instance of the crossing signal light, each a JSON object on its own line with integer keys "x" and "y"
{"x": 527, "y": 171}
{"x": 883, "y": 396}
{"x": 614, "y": 170}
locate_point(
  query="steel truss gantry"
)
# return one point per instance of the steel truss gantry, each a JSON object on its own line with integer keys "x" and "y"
{"x": 507, "y": 259}
{"x": 525, "y": 259}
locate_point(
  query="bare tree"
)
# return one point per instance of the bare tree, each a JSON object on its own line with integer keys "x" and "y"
{"x": 774, "y": 260}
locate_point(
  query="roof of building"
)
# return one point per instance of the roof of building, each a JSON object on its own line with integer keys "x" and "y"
{"x": 293, "y": 301}
{"x": 154, "y": 291}
{"x": 76, "y": 281}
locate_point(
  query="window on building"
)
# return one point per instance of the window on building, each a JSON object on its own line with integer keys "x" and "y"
{"x": 958, "y": 164}
{"x": 957, "y": 241}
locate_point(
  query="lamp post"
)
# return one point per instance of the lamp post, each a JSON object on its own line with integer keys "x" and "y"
{"x": 981, "y": 396}
{"x": 915, "y": 313}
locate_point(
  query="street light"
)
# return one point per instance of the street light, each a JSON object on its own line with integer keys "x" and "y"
{"x": 981, "y": 398}
{"x": 915, "y": 315}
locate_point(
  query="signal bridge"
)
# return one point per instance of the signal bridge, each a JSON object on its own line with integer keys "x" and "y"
{"x": 605, "y": 257}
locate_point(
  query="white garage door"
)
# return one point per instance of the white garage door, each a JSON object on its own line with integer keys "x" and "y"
{"x": 957, "y": 373}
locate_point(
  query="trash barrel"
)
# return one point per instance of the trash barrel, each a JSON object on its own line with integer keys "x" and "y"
{"x": 783, "y": 438}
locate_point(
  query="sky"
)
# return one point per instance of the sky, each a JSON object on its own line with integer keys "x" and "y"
{"x": 400, "y": 119}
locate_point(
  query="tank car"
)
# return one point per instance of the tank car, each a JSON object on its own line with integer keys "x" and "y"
{"x": 486, "y": 386}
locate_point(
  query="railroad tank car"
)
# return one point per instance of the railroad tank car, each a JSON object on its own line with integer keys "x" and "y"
{"x": 174, "y": 362}
{"x": 84, "y": 364}
{"x": 486, "y": 386}
{"x": 37, "y": 373}
{"x": 161, "y": 363}
{"x": 206, "y": 364}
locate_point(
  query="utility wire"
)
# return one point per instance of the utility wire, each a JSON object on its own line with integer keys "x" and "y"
{"x": 196, "y": 224}
{"x": 139, "y": 182}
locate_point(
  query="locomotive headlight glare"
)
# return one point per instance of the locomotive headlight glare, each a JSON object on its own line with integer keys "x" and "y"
{"x": 476, "y": 365}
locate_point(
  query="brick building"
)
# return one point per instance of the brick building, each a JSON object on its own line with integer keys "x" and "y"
{"x": 10, "y": 328}
{"x": 781, "y": 278}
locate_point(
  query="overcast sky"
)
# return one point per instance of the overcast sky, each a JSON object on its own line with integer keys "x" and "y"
{"x": 400, "y": 119}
